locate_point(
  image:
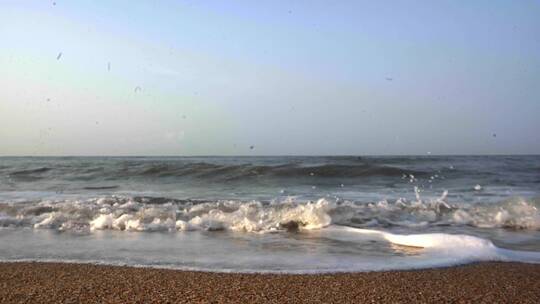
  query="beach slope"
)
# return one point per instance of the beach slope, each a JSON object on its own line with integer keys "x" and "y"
{"x": 84, "y": 283}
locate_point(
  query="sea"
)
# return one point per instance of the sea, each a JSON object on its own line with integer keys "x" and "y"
{"x": 316, "y": 214}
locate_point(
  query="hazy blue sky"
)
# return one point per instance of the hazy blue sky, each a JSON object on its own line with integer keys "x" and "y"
{"x": 288, "y": 77}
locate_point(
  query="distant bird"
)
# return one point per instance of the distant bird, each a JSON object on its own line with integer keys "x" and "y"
{"x": 137, "y": 89}
{"x": 389, "y": 78}
{"x": 59, "y": 55}
{"x": 251, "y": 147}
{"x": 494, "y": 135}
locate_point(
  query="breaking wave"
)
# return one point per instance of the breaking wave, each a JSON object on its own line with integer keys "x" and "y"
{"x": 162, "y": 214}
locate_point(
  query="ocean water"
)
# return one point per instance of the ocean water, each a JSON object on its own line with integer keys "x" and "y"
{"x": 271, "y": 214}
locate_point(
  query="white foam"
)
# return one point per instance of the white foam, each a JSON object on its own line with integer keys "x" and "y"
{"x": 254, "y": 218}
{"x": 123, "y": 213}
{"x": 449, "y": 249}
{"x": 103, "y": 221}
{"x": 123, "y": 222}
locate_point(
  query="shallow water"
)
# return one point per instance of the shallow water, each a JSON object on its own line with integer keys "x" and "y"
{"x": 276, "y": 214}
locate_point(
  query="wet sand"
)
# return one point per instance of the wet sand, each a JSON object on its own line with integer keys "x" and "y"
{"x": 84, "y": 283}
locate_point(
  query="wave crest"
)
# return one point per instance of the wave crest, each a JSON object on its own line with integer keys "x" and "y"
{"x": 160, "y": 214}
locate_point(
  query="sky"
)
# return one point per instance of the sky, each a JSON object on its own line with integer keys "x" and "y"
{"x": 269, "y": 77}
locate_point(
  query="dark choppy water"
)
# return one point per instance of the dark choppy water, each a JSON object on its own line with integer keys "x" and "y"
{"x": 271, "y": 213}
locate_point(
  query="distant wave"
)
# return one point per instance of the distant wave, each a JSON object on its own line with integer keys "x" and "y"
{"x": 31, "y": 171}
{"x": 204, "y": 170}
{"x": 101, "y": 188}
{"x": 287, "y": 170}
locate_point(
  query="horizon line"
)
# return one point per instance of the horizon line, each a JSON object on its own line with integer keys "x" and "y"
{"x": 272, "y": 155}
